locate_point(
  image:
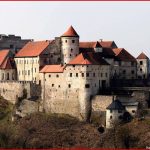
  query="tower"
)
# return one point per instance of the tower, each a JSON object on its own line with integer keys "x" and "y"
{"x": 69, "y": 45}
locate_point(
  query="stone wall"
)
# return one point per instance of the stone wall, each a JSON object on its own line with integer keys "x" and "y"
{"x": 10, "y": 90}
{"x": 101, "y": 102}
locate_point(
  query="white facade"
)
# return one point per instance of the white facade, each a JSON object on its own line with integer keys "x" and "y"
{"x": 69, "y": 48}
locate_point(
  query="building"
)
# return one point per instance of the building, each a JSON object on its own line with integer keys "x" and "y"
{"x": 142, "y": 66}
{"x": 127, "y": 64}
{"x": 12, "y": 42}
{"x": 120, "y": 110}
{"x": 30, "y": 59}
{"x": 7, "y": 66}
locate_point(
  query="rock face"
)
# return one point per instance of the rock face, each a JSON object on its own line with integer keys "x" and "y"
{"x": 27, "y": 107}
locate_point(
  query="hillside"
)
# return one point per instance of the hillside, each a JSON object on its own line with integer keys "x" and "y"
{"x": 52, "y": 130}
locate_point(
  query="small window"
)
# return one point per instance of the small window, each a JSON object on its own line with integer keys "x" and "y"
{"x": 70, "y": 55}
{"x": 141, "y": 62}
{"x": 51, "y": 56}
{"x": 93, "y": 74}
{"x": 76, "y": 74}
{"x": 52, "y": 85}
{"x": 65, "y": 41}
{"x": 141, "y": 69}
{"x": 106, "y": 74}
{"x": 110, "y": 117}
{"x": 70, "y": 74}
{"x": 111, "y": 111}
{"x": 101, "y": 74}
{"x": 124, "y": 72}
{"x": 87, "y": 74}
{"x": 71, "y": 50}
{"x": 11, "y": 46}
{"x": 35, "y": 69}
{"x": 59, "y": 86}
{"x": 69, "y": 86}
{"x": 28, "y": 72}
{"x": 132, "y": 71}
{"x": 49, "y": 76}
{"x": 57, "y": 76}
{"x": 133, "y": 111}
{"x": 87, "y": 86}
{"x": 73, "y": 41}
{"x": 82, "y": 74}
{"x": 73, "y": 65}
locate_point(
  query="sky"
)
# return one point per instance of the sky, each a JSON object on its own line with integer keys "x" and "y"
{"x": 126, "y": 23}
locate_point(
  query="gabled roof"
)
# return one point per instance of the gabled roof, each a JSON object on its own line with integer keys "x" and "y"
{"x": 88, "y": 59}
{"x": 70, "y": 33}
{"x": 142, "y": 56}
{"x": 3, "y": 55}
{"x": 116, "y": 105}
{"x": 108, "y": 44}
{"x": 52, "y": 69}
{"x": 123, "y": 55}
{"x": 8, "y": 64}
{"x": 32, "y": 49}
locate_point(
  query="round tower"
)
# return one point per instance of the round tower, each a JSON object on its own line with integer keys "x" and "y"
{"x": 69, "y": 45}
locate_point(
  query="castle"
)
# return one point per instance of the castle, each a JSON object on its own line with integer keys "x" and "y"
{"x": 68, "y": 71}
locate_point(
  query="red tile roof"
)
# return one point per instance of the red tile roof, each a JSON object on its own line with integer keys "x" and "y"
{"x": 89, "y": 44}
{"x": 142, "y": 56}
{"x": 8, "y": 64}
{"x": 108, "y": 44}
{"x": 88, "y": 59}
{"x": 52, "y": 69}
{"x": 3, "y": 55}
{"x": 70, "y": 33}
{"x": 32, "y": 49}
{"x": 123, "y": 55}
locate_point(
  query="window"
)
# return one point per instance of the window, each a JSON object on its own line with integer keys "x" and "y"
{"x": 76, "y": 74}
{"x": 59, "y": 86}
{"x": 93, "y": 74}
{"x": 52, "y": 85}
{"x": 132, "y": 71}
{"x": 87, "y": 86}
{"x": 69, "y": 86}
{"x": 111, "y": 111}
{"x": 106, "y": 74}
{"x": 73, "y": 41}
{"x": 124, "y": 71}
{"x": 11, "y": 46}
{"x": 28, "y": 72}
{"x": 49, "y": 76}
{"x": 141, "y": 69}
{"x": 82, "y": 74}
{"x": 70, "y": 74}
{"x": 110, "y": 117}
{"x": 70, "y": 55}
{"x": 101, "y": 74}
{"x": 24, "y": 61}
{"x": 133, "y": 111}
{"x": 57, "y": 76}
{"x": 65, "y": 41}
{"x": 87, "y": 74}
{"x": 141, "y": 62}
{"x": 51, "y": 56}
{"x": 35, "y": 69}
{"x": 71, "y": 50}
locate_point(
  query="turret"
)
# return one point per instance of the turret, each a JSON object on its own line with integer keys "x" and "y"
{"x": 69, "y": 45}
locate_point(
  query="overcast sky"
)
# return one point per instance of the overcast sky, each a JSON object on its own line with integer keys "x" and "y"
{"x": 127, "y": 23}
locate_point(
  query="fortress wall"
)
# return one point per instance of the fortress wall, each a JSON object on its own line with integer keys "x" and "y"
{"x": 62, "y": 101}
{"x": 10, "y": 90}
